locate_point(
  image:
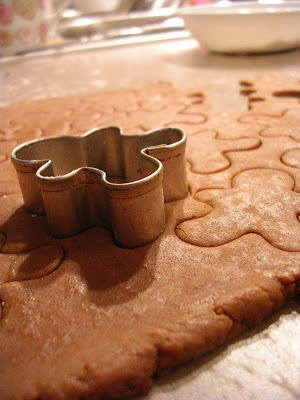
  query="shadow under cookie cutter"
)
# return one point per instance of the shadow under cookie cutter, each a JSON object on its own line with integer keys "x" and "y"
{"x": 64, "y": 177}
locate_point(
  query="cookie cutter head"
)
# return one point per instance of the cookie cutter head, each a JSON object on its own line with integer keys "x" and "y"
{"x": 104, "y": 178}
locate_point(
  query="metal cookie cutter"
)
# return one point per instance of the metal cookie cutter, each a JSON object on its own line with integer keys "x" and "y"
{"x": 64, "y": 177}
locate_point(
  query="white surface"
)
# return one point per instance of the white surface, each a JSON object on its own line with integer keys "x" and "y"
{"x": 264, "y": 364}
{"x": 245, "y": 27}
{"x": 259, "y": 366}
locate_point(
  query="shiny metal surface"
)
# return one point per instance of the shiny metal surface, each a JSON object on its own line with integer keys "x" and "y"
{"x": 104, "y": 178}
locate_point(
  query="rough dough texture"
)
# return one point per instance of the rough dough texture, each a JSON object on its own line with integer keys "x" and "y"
{"x": 83, "y": 318}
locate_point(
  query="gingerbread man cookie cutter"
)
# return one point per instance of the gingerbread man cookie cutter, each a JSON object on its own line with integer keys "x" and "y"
{"x": 104, "y": 178}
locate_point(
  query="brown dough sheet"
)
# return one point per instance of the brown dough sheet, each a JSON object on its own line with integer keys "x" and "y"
{"x": 83, "y": 318}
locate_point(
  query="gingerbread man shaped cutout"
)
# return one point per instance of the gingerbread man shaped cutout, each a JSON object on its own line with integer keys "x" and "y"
{"x": 207, "y": 153}
{"x": 286, "y": 125}
{"x": 260, "y": 201}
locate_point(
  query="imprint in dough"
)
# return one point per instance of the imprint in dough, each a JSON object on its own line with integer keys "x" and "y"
{"x": 286, "y": 125}
{"x": 32, "y": 265}
{"x": 260, "y": 201}
{"x": 292, "y": 158}
{"x": 206, "y": 152}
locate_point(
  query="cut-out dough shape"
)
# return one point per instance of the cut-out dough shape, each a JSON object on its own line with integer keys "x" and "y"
{"x": 194, "y": 111}
{"x": 286, "y": 125}
{"x": 268, "y": 155}
{"x": 146, "y": 120}
{"x": 61, "y": 116}
{"x": 197, "y": 108}
{"x": 35, "y": 264}
{"x": 206, "y": 153}
{"x": 30, "y": 122}
{"x": 292, "y": 158}
{"x": 154, "y": 102}
{"x": 164, "y": 93}
{"x": 260, "y": 201}
{"x": 274, "y": 106}
{"x": 227, "y": 125}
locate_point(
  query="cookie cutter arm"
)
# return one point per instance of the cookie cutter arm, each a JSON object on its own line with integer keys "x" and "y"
{"x": 104, "y": 178}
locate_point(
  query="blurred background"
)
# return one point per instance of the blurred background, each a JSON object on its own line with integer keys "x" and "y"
{"x": 73, "y": 25}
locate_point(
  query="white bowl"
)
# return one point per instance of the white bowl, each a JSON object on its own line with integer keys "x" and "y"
{"x": 245, "y": 27}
